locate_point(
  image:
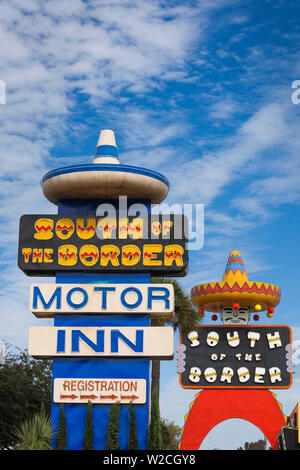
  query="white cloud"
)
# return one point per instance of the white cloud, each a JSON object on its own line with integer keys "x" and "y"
{"x": 217, "y": 171}
{"x": 52, "y": 54}
{"x": 225, "y": 109}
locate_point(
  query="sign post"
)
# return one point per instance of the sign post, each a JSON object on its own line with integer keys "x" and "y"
{"x": 234, "y": 363}
{"x": 102, "y": 257}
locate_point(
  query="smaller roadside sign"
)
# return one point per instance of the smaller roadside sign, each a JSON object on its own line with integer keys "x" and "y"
{"x": 99, "y": 391}
{"x": 236, "y": 356}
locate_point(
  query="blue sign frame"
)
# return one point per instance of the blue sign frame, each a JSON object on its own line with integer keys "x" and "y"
{"x": 99, "y": 367}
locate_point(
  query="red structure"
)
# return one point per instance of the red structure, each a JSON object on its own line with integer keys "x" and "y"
{"x": 211, "y": 407}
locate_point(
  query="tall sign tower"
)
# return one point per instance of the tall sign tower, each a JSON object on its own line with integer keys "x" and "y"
{"x": 102, "y": 248}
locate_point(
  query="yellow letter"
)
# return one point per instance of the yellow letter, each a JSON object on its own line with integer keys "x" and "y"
{"x": 64, "y": 228}
{"x": 173, "y": 253}
{"x": 150, "y": 257}
{"x": 37, "y": 255}
{"x": 47, "y": 255}
{"x": 89, "y": 255}
{"x": 87, "y": 232}
{"x": 156, "y": 228}
{"x": 131, "y": 255}
{"x": 43, "y": 229}
{"x": 109, "y": 253}
{"x": 133, "y": 228}
{"x": 107, "y": 226}
{"x": 123, "y": 227}
{"x": 67, "y": 255}
{"x": 26, "y": 252}
{"x": 167, "y": 224}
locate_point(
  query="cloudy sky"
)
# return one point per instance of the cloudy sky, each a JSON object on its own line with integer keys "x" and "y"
{"x": 197, "y": 90}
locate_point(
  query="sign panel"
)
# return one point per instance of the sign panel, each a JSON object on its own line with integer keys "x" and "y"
{"x": 53, "y": 243}
{"x": 49, "y": 299}
{"x": 236, "y": 357}
{"x": 144, "y": 341}
{"x": 288, "y": 438}
{"x": 99, "y": 391}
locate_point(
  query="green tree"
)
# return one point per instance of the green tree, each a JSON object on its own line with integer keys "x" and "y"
{"x": 25, "y": 384}
{"x": 261, "y": 444}
{"x": 35, "y": 433}
{"x": 88, "y": 441}
{"x": 61, "y": 442}
{"x": 133, "y": 443}
{"x": 155, "y": 435}
{"x": 112, "y": 431}
{"x": 171, "y": 434}
{"x": 185, "y": 317}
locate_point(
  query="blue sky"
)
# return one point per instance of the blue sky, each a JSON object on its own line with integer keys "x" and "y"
{"x": 198, "y": 90}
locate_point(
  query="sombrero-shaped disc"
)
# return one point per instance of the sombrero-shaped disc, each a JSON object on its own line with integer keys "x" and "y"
{"x": 235, "y": 287}
{"x": 104, "y": 181}
{"x": 105, "y": 178}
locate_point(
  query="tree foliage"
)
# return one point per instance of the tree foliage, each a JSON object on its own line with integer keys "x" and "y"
{"x": 171, "y": 434}
{"x": 261, "y": 444}
{"x": 35, "y": 433}
{"x": 25, "y": 384}
{"x": 112, "y": 431}
{"x": 61, "y": 443}
{"x": 185, "y": 317}
{"x": 155, "y": 437}
{"x": 133, "y": 443}
{"x": 88, "y": 441}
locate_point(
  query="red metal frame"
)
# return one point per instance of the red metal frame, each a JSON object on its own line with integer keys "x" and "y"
{"x": 213, "y": 406}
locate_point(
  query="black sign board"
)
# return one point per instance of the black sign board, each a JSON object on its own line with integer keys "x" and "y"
{"x": 53, "y": 243}
{"x": 288, "y": 438}
{"x": 236, "y": 357}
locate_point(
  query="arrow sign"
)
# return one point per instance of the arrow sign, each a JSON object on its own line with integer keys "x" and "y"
{"x": 129, "y": 397}
{"x": 109, "y": 397}
{"x": 68, "y": 397}
{"x": 88, "y": 397}
{"x": 100, "y": 391}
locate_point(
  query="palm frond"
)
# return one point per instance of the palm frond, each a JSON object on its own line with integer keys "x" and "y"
{"x": 186, "y": 315}
{"x": 35, "y": 433}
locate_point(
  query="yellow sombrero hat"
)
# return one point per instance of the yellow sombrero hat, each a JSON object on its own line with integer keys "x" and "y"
{"x": 235, "y": 288}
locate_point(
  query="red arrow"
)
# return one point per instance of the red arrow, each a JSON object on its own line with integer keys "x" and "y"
{"x": 111, "y": 397}
{"x": 69, "y": 396}
{"x": 89, "y": 396}
{"x": 129, "y": 397}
